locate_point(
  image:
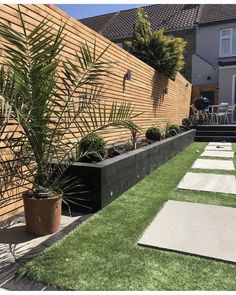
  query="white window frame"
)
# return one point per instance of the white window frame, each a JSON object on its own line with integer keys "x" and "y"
{"x": 231, "y": 41}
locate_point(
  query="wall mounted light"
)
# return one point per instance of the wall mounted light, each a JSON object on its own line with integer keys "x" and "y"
{"x": 166, "y": 90}
{"x": 128, "y": 75}
{"x": 186, "y": 85}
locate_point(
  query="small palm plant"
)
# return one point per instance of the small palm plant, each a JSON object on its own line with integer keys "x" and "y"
{"x": 55, "y": 103}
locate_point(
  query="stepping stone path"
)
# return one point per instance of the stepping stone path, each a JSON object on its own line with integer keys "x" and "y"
{"x": 221, "y": 143}
{"x": 193, "y": 228}
{"x": 207, "y": 182}
{"x": 214, "y": 164}
{"x": 218, "y": 154}
{"x": 218, "y": 148}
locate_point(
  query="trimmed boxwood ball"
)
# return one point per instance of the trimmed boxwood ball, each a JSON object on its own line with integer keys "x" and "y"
{"x": 95, "y": 148}
{"x": 186, "y": 122}
{"x": 173, "y": 129}
{"x": 153, "y": 133}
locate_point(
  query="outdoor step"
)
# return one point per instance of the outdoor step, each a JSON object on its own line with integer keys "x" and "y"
{"x": 207, "y": 138}
{"x": 226, "y": 127}
{"x": 215, "y": 133}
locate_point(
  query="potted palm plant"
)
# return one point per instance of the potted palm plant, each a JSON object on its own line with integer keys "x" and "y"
{"x": 55, "y": 103}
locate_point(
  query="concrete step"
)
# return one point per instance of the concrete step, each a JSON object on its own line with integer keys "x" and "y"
{"x": 225, "y": 127}
{"x": 207, "y": 138}
{"x": 215, "y": 133}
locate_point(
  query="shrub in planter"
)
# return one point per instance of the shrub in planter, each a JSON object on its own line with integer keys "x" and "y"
{"x": 153, "y": 133}
{"x": 173, "y": 129}
{"x": 186, "y": 122}
{"x": 49, "y": 115}
{"x": 92, "y": 148}
{"x": 186, "y": 125}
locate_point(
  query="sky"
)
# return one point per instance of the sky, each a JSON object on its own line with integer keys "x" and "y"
{"x": 79, "y": 11}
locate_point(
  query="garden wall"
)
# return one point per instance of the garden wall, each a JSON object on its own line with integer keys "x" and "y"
{"x": 159, "y": 99}
{"x": 107, "y": 180}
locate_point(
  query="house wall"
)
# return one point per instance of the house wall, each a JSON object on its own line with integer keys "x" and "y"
{"x": 208, "y": 41}
{"x": 203, "y": 73}
{"x": 208, "y": 48}
{"x": 225, "y": 84}
{"x": 146, "y": 90}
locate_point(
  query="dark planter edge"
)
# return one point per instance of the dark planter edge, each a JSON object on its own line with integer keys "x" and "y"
{"x": 111, "y": 161}
{"x": 107, "y": 180}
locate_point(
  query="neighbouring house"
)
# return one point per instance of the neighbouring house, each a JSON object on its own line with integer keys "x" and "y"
{"x": 214, "y": 61}
{"x": 210, "y": 32}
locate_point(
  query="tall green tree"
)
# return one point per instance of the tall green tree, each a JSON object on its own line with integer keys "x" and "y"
{"x": 163, "y": 53}
{"x": 140, "y": 44}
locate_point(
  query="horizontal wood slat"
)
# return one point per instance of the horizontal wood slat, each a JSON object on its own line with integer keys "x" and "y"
{"x": 146, "y": 90}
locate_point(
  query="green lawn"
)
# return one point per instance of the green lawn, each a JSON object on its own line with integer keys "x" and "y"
{"x": 102, "y": 254}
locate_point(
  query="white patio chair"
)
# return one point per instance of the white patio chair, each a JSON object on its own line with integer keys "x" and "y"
{"x": 222, "y": 113}
{"x": 230, "y": 112}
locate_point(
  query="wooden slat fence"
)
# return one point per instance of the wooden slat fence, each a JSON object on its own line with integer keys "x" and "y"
{"x": 159, "y": 99}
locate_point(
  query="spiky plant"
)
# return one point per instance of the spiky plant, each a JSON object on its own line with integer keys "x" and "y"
{"x": 54, "y": 103}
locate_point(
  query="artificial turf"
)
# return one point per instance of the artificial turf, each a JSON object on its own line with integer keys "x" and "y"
{"x": 102, "y": 253}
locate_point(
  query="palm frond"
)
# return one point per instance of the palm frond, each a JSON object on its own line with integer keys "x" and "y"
{"x": 54, "y": 103}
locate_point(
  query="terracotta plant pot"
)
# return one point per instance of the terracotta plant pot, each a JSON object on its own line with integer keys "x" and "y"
{"x": 42, "y": 216}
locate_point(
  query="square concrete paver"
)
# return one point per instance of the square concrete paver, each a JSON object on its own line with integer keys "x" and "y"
{"x": 220, "y": 143}
{"x": 214, "y": 164}
{"x": 218, "y": 148}
{"x": 194, "y": 228}
{"x": 217, "y": 154}
{"x": 209, "y": 183}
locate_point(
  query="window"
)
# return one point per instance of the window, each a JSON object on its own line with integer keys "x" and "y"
{"x": 226, "y": 38}
{"x": 228, "y": 42}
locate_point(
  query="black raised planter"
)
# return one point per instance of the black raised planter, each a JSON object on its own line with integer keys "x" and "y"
{"x": 108, "y": 179}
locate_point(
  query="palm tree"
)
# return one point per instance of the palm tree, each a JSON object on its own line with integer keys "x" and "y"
{"x": 56, "y": 103}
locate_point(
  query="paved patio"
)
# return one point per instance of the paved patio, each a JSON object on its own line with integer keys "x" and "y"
{"x": 17, "y": 247}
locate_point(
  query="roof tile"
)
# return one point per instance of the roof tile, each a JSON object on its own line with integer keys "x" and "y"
{"x": 217, "y": 12}
{"x": 166, "y": 16}
{"x": 120, "y": 25}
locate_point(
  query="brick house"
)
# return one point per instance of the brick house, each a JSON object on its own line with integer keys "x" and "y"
{"x": 210, "y": 32}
